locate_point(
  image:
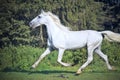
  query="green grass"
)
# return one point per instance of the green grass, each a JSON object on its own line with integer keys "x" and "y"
{"x": 92, "y": 72}
{"x": 59, "y": 75}
{"x": 15, "y": 63}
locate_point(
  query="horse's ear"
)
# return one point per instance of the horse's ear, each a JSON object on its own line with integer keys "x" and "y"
{"x": 42, "y": 11}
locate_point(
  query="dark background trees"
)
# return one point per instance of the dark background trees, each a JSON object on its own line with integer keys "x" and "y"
{"x": 77, "y": 14}
{"x": 111, "y": 9}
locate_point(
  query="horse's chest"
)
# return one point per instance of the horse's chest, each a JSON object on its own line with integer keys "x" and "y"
{"x": 59, "y": 43}
{"x": 56, "y": 42}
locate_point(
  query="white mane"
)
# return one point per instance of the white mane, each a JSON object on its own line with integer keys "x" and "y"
{"x": 57, "y": 21}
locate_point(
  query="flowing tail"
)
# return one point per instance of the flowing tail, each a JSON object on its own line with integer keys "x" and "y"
{"x": 111, "y": 36}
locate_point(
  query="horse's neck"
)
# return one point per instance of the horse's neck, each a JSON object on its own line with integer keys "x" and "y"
{"x": 52, "y": 30}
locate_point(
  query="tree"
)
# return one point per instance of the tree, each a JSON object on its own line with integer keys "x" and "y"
{"x": 76, "y": 14}
{"x": 12, "y": 27}
{"x": 112, "y": 14}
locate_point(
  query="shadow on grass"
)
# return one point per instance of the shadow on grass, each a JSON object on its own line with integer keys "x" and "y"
{"x": 32, "y": 71}
{"x": 50, "y": 71}
{"x": 36, "y": 72}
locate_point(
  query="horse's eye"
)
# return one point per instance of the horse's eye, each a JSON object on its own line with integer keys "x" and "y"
{"x": 39, "y": 16}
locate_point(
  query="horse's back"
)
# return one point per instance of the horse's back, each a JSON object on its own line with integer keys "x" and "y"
{"x": 78, "y": 39}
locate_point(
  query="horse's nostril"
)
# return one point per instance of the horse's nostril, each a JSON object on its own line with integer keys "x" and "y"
{"x": 30, "y": 24}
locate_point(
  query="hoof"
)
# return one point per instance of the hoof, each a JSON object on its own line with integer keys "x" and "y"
{"x": 78, "y": 72}
{"x": 33, "y": 66}
{"x": 113, "y": 68}
{"x": 67, "y": 65}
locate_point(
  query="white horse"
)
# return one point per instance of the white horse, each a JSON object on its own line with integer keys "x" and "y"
{"x": 61, "y": 38}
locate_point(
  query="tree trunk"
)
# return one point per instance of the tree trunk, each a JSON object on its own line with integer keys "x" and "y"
{"x": 42, "y": 43}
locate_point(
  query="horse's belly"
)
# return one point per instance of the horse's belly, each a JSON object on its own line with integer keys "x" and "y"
{"x": 74, "y": 46}
{"x": 76, "y": 43}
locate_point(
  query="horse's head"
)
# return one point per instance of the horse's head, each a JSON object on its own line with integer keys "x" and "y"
{"x": 46, "y": 18}
{"x": 39, "y": 20}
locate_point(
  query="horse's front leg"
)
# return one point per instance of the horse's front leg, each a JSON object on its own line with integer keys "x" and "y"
{"x": 47, "y": 51}
{"x": 60, "y": 55}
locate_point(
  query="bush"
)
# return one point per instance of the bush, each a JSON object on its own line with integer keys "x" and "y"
{"x": 22, "y": 57}
{"x": 113, "y": 51}
{"x": 18, "y": 58}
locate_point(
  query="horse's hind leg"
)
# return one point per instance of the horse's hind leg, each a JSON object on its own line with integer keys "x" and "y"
{"x": 99, "y": 52}
{"x": 89, "y": 59}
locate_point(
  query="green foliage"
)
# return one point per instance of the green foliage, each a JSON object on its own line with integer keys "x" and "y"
{"x": 18, "y": 58}
{"x": 22, "y": 57}
{"x": 12, "y": 25}
{"x": 79, "y": 15}
{"x": 113, "y": 52}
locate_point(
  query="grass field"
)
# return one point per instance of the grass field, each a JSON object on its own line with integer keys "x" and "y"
{"x": 62, "y": 73}
{"x": 59, "y": 75}
{"x": 15, "y": 63}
